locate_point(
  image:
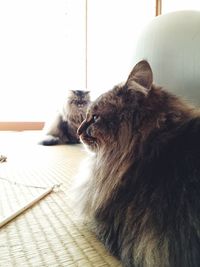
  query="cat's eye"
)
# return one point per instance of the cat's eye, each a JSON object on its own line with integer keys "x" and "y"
{"x": 95, "y": 118}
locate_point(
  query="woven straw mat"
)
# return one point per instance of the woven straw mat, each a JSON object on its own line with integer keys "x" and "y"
{"x": 48, "y": 233}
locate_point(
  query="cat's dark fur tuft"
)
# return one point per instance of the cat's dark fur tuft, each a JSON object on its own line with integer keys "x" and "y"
{"x": 143, "y": 191}
{"x": 63, "y": 128}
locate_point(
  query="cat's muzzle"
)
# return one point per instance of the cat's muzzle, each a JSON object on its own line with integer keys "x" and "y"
{"x": 84, "y": 132}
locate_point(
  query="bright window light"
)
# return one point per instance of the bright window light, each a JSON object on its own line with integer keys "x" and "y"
{"x": 42, "y": 46}
{"x": 43, "y": 50}
{"x": 175, "y": 5}
{"x": 113, "y": 29}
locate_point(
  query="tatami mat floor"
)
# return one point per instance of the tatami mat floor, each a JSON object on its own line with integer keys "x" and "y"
{"x": 48, "y": 233}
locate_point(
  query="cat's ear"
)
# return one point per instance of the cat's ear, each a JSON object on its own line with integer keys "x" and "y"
{"x": 142, "y": 74}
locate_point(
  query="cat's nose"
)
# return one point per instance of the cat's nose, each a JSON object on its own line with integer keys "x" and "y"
{"x": 82, "y": 127}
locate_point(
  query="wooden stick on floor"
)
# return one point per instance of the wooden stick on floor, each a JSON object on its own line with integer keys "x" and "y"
{"x": 13, "y": 215}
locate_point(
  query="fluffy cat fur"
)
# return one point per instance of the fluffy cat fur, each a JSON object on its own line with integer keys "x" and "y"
{"x": 63, "y": 128}
{"x": 142, "y": 194}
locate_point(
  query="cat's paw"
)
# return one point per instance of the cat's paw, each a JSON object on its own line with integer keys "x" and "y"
{"x": 49, "y": 140}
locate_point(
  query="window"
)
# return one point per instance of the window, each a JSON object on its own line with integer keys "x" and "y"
{"x": 113, "y": 27}
{"x": 41, "y": 55}
{"x": 49, "y": 46}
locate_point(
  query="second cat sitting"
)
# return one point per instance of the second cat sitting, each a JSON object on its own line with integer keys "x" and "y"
{"x": 63, "y": 127}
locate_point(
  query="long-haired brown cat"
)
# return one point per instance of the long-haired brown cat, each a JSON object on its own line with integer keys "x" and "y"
{"x": 62, "y": 129}
{"x": 143, "y": 191}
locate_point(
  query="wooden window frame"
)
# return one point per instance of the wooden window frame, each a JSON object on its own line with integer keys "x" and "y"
{"x": 158, "y": 7}
{"x": 20, "y": 125}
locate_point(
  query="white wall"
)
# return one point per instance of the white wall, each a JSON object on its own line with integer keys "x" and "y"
{"x": 175, "y": 5}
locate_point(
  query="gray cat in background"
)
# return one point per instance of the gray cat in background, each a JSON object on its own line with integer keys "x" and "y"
{"x": 63, "y": 128}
